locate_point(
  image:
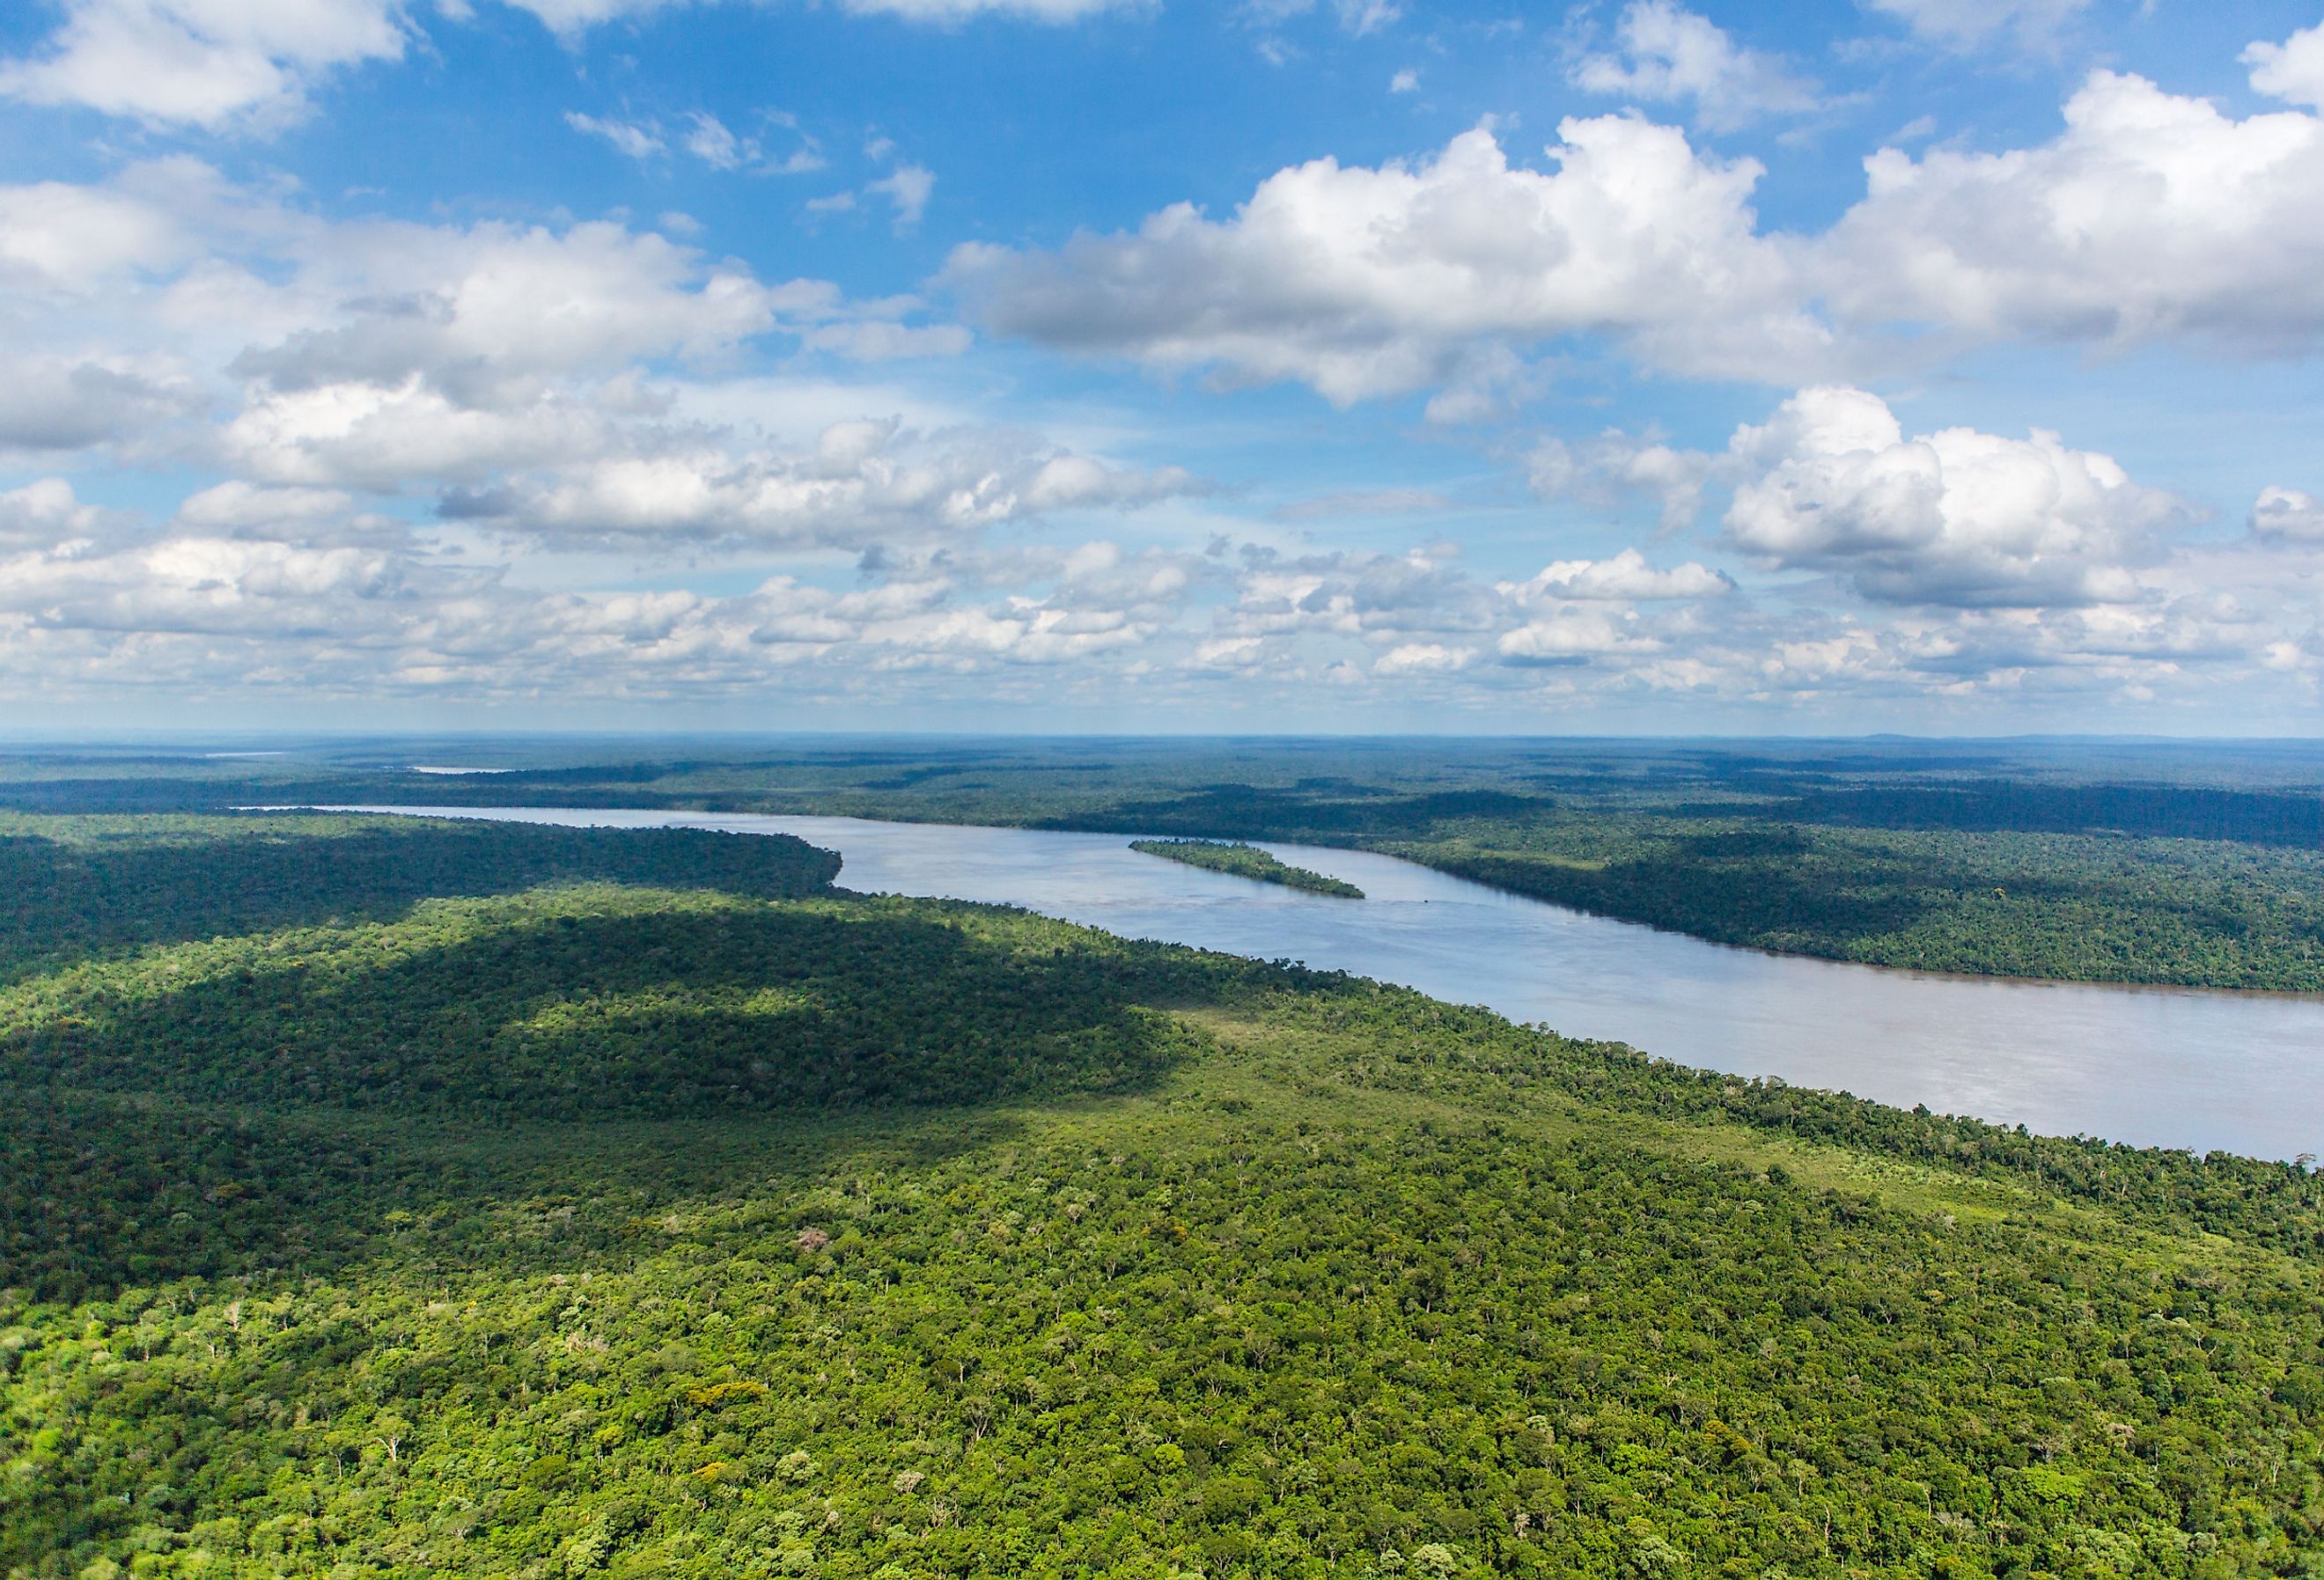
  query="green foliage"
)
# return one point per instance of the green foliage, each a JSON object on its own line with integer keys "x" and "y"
{"x": 1245, "y": 861}
{"x": 630, "y": 1231}
{"x": 2196, "y": 864}
{"x": 2078, "y": 907}
{"x": 596, "y": 1001}
{"x": 81, "y": 885}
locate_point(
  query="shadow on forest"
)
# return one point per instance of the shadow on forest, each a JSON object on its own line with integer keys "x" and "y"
{"x": 606, "y": 1065}
{"x": 109, "y": 1192}
{"x": 101, "y": 895}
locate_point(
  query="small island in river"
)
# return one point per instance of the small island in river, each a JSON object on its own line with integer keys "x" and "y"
{"x": 1245, "y": 861}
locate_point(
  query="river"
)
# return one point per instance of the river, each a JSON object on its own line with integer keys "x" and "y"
{"x": 2158, "y": 1067}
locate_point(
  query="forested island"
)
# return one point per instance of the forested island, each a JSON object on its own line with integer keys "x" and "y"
{"x": 2197, "y": 864}
{"x": 1245, "y": 861}
{"x": 398, "y": 1198}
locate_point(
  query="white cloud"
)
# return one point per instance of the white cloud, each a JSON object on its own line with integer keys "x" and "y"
{"x": 1356, "y": 18}
{"x": 1965, "y": 24}
{"x": 562, "y": 383}
{"x": 1955, "y": 517}
{"x": 1408, "y": 80}
{"x": 1230, "y": 652}
{"x": 2152, "y": 215}
{"x": 907, "y": 188}
{"x": 628, "y": 137}
{"x": 2288, "y": 514}
{"x": 205, "y": 63}
{"x": 706, "y": 138}
{"x": 709, "y": 140}
{"x": 1576, "y": 635}
{"x": 493, "y": 305}
{"x": 1601, "y": 470}
{"x": 152, "y": 218}
{"x": 46, "y": 514}
{"x": 1624, "y": 578}
{"x": 389, "y": 437}
{"x": 51, "y": 402}
{"x": 1431, "y": 657}
{"x": 1366, "y": 282}
{"x": 1668, "y": 52}
{"x": 181, "y": 584}
{"x": 864, "y": 481}
{"x": 2293, "y": 71}
{"x": 216, "y": 64}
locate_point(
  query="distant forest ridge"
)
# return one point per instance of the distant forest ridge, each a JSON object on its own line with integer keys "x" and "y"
{"x": 2197, "y": 865}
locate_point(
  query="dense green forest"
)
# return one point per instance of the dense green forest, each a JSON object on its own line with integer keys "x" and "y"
{"x": 678, "y": 1214}
{"x": 1245, "y": 861}
{"x": 2196, "y": 864}
{"x": 100, "y": 884}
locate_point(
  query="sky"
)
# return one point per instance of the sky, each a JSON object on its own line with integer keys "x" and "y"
{"x": 1944, "y": 366}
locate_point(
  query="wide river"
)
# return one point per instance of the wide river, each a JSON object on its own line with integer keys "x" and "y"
{"x": 2161, "y": 1067}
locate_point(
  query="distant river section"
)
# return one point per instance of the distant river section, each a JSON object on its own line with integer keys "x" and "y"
{"x": 2155, "y": 1067}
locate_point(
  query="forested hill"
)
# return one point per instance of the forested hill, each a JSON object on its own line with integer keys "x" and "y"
{"x": 98, "y": 884}
{"x": 675, "y": 1227}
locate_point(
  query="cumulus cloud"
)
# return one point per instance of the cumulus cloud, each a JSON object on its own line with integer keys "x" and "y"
{"x": 47, "y": 514}
{"x": 1668, "y": 52}
{"x": 236, "y": 509}
{"x": 1605, "y": 469}
{"x": 156, "y": 218}
{"x": 2293, "y": 71}
{"x": 864, "y": 481}
{"x": 1624, "y": 577}
{"x": 565, "y": 385}
{"x": 1417, "y": 658}
{"x": 206, "y": 63}
{"x": 377, "y": 355}
{"x": 1575, "y": 635}
{"x": 2151, "y": 216}
{"x": 51, "y": 403}
{"x": 1954, "y": 517}
{"x": 492, "y": 308}
{"x": 2289, "y": 515}
{"x": 202, "y": 605}
{"x": 1230, "y": 652}
{"x": 1366, "y": 282}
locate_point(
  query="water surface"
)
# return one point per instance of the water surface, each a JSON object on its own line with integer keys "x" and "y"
{"x": 2160, "y": 1067}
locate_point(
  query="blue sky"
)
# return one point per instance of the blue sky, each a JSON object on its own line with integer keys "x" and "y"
{"x": 1943, "y": 366}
